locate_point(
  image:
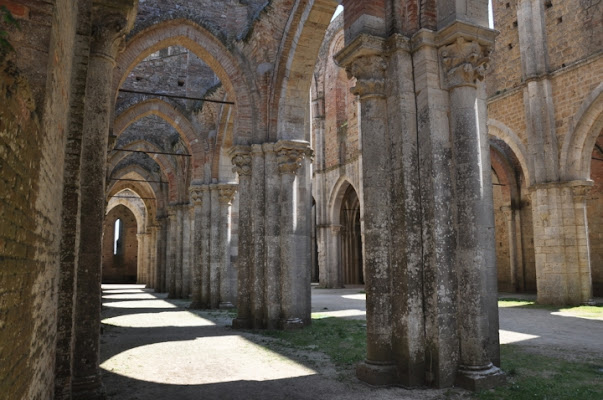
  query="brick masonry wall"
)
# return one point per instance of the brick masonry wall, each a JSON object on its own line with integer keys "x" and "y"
{"x": 574, "y": 30}
{"x": 33, "y": 121}
{"x": 505, "y": 67}
{"x": 121, "y": 267}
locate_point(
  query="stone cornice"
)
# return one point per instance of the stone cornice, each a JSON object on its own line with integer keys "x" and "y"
{"x": 560, "y": 185}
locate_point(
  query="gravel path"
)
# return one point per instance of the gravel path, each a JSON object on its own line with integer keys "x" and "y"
{"x": 154, "y": 348}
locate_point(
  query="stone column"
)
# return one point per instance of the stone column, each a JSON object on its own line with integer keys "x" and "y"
{"x": 162, "y": 234}
{"x": 196, "y": 196}
{"x": 153, "y": 248}
{"x": 267, "y": 279}
{"x": 171, "y": 249}
{"x": 365, "y": 62}
{"x": 333, "y": 274}
{"x": 241, "y": 158}
{"x": 205, "y": 247}
{"x": 186, "y": 250}
{"x": 227, "y": 286}
{"x": 140, "y": 276}
{"x": 295, "y": 306}
{"x": 463, "y": 62}
{"x": 109, "y": 28}
{"x": 514, "y": 260}
{"x": 561, "y": 242}
{"x": 214, "y": 248}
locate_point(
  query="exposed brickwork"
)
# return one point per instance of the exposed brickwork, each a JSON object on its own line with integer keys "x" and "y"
{"x": 505, "y": 69}
{"x": 574, "y": 31}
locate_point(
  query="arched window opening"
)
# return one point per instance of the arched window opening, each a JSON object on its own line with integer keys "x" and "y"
{"x": 351, "y": 239}
{"x": 117, "y": 248}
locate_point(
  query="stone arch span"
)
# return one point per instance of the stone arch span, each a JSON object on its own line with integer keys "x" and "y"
{"x": 578, "y": 146}
{"x": 500, "y": 131}
{"x": 208, "y": 48}
{"x": 173, "y": 117}
{"x": 293, "y": 73}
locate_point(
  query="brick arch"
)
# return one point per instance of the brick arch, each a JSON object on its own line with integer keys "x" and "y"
{"x": 208, "y": 48}
{"x": 172, "y": 116}
{"x": 167, "y": 166}
{"x": 581, "y": 138}
{"x": 144, "y": 189}
{"x": 294, "y": 69}
{"x": 141, "y": 218}
{"x": 499, "y": 130}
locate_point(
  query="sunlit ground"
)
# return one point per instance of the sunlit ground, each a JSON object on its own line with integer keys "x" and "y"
{"x": 205, "y": 355}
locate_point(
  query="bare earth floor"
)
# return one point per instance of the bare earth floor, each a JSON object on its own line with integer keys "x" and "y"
{"x": 155, "y": 348}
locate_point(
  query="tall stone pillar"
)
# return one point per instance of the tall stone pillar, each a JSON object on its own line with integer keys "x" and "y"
{"x": 241, "y": 158}
{"x": 463, "y": 61}
{"x": 561, "y": 245}
{"x": 187, "y": 227}
{"x": 227, "y": 273}
{"x": 214, "y": 248}
{"x": 140, "y": 264}
{"x": 109, "y": 28}
{"x": 171, "y": 250}
{"x": 162, "y": 259}
{"x": 514, "y": 243}
{"x": 153, "y": 248}
{"x": 364, "y": 61}
{"x": 267, "y": 276}
{"x": 332, "y": 276}
{"x": 196, "y": 195}
{"x": 295, "y": 282}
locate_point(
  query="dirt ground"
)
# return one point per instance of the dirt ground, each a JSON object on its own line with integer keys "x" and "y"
{"x": 154, "y": 348}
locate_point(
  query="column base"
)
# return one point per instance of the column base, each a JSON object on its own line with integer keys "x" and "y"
{"x": 226, "y": 305}
{"x": 377, "y": 374}
{"x": 479, "y": 378}
{"x": 292, "y": 324}
{"x": 89, "y": 388}
{"x": 241, "y": 323}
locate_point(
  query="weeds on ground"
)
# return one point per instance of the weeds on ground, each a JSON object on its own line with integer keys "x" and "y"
{"x": 531, "y": 376}
{"x": 595, "y": 312}
{"x": 344, "y": 341}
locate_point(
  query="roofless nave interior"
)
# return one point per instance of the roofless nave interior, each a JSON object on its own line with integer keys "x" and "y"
{"x": 255, "y": 146}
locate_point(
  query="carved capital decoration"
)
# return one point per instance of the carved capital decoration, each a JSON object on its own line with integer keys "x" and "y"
{"x": 226, "y": 193}
{"x": 464, "y": 62}
{"x": 241, "y": 159}
{"x": 109, "y": 28}
{"x": 369, "y": 72}
{"x": 196, "y": 193}
{"x": 290, "y": 155}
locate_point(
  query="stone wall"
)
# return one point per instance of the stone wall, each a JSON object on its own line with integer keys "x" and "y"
{"x": 33, "y": 123}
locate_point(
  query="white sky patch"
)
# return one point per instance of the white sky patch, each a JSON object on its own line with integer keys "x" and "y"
{"x": 338, "y": 11}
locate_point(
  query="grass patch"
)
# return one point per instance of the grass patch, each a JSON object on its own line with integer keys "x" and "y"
{"x": 595, "y": 312}
{"x": 344, "y": 341}
{"x": 532, "y": 376}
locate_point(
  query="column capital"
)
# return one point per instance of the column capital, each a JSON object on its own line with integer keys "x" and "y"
{"x": 364, "y": 60}
{"x": 290, "y": 154}
{"x": 110, "y": 23}
{"x": 464, "y": 61}
{"x": 241, "y": 159}
{"x": 196, "y": 193}
{"x": 226, "y": 192}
